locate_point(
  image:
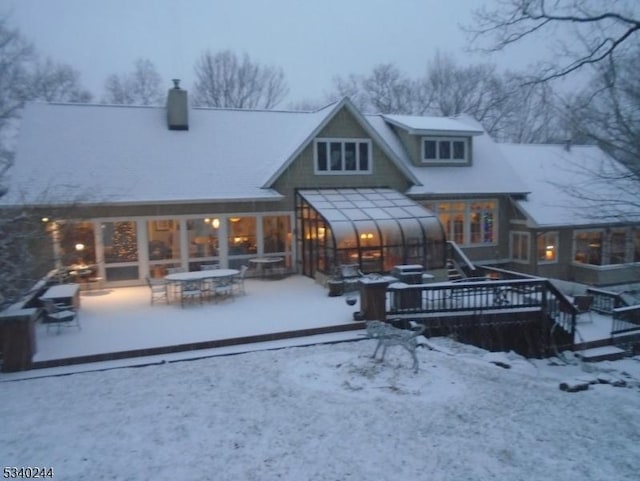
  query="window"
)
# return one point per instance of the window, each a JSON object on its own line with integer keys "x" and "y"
{"x": 202, "y": 235}
{"x": 482, "y": 222}
{"x": 77, "y": 244}
{"x": 120, "y": 241}
{"x": 452, "y": 216}
{"x": 547, "y": 246}
{"x": 472, "y": 222}
{"x": 241, "y": 240}
{"x": 617, "y": 246}
{"x": 164, "y": 239}
{"x": 587, "y": 247}
{"x": 337, "y": 156}
{"x": 520, "y": 246}
{"x": 276, "y": 231}
{"x": 447, "y": 150}
{"x": 606, "y": 246}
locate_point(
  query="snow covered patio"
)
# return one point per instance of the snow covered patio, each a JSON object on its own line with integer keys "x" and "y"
{"x": 121, "y": 322}
{"x": 121, "y": 327}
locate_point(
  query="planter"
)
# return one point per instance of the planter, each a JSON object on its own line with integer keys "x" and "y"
{"x": 336, "y": 288}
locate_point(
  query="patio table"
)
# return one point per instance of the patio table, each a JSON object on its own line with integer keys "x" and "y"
{"x": 201, "y": 275}
{"x": 207, "y": 275}
{"x": 65, "y": 294}
{"x": 264, "y": 264}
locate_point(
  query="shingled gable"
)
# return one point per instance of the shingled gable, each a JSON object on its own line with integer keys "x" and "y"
{"x": 345, "y": 103}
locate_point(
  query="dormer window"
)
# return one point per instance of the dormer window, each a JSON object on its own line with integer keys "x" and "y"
{"x": 445, "y": 150}
{"x": 342, "y": 156}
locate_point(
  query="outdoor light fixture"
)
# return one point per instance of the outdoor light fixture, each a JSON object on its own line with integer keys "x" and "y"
{"x": 215, "y": 223}
{"x": 207, "y": 220}
{"x": 234, "y": 219}
{"x": 45, "y": 219}
{"x": 79, "y": 247}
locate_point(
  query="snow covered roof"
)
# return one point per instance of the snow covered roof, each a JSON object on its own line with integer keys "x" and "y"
{"x": 576, "y": 186}
{"x": 126, "y": 154}
{"x": 422, "y": 125}
{"x": 100, "y": 154}
{"x": 489, "y": 173}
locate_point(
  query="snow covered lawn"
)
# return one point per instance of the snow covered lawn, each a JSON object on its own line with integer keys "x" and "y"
{"x": 329, "y": 412}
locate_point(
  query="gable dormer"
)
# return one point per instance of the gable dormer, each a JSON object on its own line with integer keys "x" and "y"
{"x": 435, "y": 141}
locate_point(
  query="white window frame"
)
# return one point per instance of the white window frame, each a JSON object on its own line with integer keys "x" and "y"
{"x": 440, "y": 160}
{"x": 342, "y": 170}
{"x": 515, "y": 238}
{"x": 435, "y": 207}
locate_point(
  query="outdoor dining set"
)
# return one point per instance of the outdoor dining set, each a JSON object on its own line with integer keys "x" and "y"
{"x": 211, "y": 283}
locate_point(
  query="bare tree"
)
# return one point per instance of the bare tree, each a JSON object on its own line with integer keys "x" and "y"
{"x": 608, "y": 111}
{"x": 386, "y": 90}
{"x": 476, "y": 90}
{"x": 16, "y": 53}
{"x": 351, "y": 87}
{"x": 225, "y": 80}
{"x": 602, "y": 28}
{"x": 306, "y": 105}
{"x": 23, "y": 242}
{"x": 140, "y": 87}
{"x": 389, "y": 91}
{"x": 24, "y": 77}
{"x": 533, "y": 113}
{"x": 56, "y": 82}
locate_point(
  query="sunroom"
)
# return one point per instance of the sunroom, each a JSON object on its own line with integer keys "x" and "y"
{"x": 376, "y": 229}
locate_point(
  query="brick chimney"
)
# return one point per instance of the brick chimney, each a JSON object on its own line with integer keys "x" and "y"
{"x": 177, "y": 108}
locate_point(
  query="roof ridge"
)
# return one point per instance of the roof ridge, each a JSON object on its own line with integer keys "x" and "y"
{"x": 88, "y": 104}
{"x": 539, "y": 144}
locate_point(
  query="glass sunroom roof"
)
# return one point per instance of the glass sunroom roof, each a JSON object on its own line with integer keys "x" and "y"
{"x": 346, "y": 209}
{"x": 360, "y": 204}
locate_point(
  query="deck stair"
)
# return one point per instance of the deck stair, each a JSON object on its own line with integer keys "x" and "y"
{"x": 604, "y": 353}
{"x": 453, "y": 273}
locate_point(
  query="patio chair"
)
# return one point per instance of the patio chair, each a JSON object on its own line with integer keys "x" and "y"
{"x": 583, "y": 304}
{"x": 59, "y": 315}
{"x": 190, "y": 291}
{"x": 208, "y": 288}
{"x": 237, "y": 282}
{"x": 224, "y": 289}
{"x": 158, "y": 288}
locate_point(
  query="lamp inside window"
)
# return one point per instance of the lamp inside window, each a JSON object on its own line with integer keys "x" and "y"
{"x": 550, "y": 253}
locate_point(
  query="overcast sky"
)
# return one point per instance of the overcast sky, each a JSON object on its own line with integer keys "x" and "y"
{"x": 312, "y": 40}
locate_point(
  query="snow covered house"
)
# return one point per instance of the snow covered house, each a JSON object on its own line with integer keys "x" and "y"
{"x": 134, "y": 191}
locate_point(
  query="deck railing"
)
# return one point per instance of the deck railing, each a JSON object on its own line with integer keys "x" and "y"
{"x": 460, "y": 260}
{"x": 484, "y": 297}
{"x": 504, "y": 274}
{"x": 605, "y": 301}
{"x": 625, "y": 320}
